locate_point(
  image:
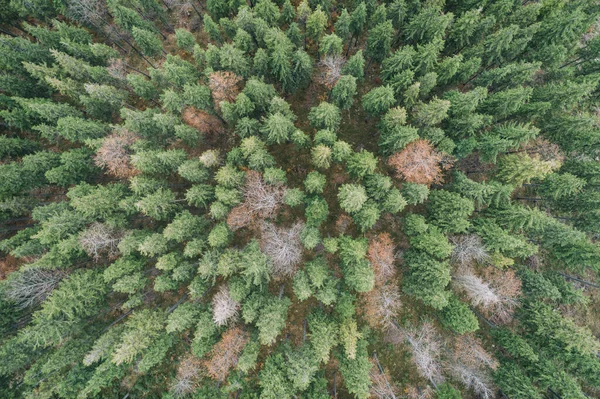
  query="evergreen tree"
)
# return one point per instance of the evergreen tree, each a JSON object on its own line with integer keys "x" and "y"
{"x": 344, "y": 91}
{"x": 378, "y": 100}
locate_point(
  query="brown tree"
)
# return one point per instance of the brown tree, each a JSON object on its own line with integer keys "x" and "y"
{"x": 381, "y": 305}
{"x": 382, "y": 386}
{"x": 415, "y": 392}
{"x": 224, "y": 355}
{"x": 418, "y": 163}
{"x": 239, "y": 217}
{"x": 507, "y": 286}
{"x": 115, "y": 154}
{"x": 381, "y": 256}
{"x": 224, "y": 87}
{"x": 283, "y": 246}
{"x": 343, "y": 223}
{"x": 225, "y": 308}
{"x": 261, "y": 201}
{"x": 472, "y": 365}
{"x": 187, "y": 375}
{"x": 547, "y": 151}
{"x": 203, "y": 121}
{"x": 100, "y": 241}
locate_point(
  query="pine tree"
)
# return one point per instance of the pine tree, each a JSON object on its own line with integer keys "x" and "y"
{"x": 378, "y": 100}
{"x": 325, "y": 116}
{"x": 356, "y": 372}
{"x": 379, "y": 41}
{"x": 315, "y": 24}
{"x": 344, "y": 91}
{"x": 355, "y": 66}
{"x": 148, "y": 42}
{"x": 427, "y": 279}
{"x": 352, "y": 197}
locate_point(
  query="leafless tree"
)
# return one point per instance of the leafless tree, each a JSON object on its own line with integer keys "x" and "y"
{"x": 261, "y": 201}
{"x": 414, "y": 392}
{"x": 115, "y": 154}
{"x": 381, "y": 256}
{"x": 87, "y": 11}
{"x": 100, "y": 240}
{"x": 472, "y": 365}
{"x": 382, "y": 387}
{"x": 468, "y": 249}
{"x": 261, "y": 198}
{"x": 474, "y": 379}
{"x": 507, "y": 285}
{"x": 187, "y": 376}
{"x": 31, "y": 286}
{"x": 224, "y": 307}
{"x": 224, "y": 355}
{"x": 283, "y": 246}
{"x": 470, "y": 351}
{"x": 479, "y": 292}
{"x": 117, "y": 68}
{"x": 381, "y": 305}
{"x": 224, "y": 87}
{"x": 425, "y": 345}
{"x": 547, "y": 151}
{"x": 331, "y": 70}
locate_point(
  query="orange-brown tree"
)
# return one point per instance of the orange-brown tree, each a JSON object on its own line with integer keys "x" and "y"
{"x": 224, "y": 355}
{"x": 418, "y": 163}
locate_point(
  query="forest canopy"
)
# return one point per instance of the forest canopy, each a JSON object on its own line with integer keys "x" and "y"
{"x": 280, "y": 199}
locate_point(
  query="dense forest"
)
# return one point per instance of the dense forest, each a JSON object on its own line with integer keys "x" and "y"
{"x": 277, "y": 199}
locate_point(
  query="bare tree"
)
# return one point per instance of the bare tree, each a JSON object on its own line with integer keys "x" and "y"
{"x": 472, "y": 366}
{"x": 31, "y": 286}
{"x": 87, "y": 11}
{"x": 547, "y": 151}
{"x": 425, "y": 345}
{"x": 381, "y": 305}
{"x": 381, "y": 256}
{"x": 474, "y": 379}
{"x": 415, "y": 392}
{"x": 224, "y": 87}
{"x": 101, "y": 240}
{"x": 261, "y": 201}
{"x": 382, "y": 387}
{"x": 419, "y": 163}
{"x": 117, "y": 68}
{"x": 239, "y": 217}
{"x": 468, "y": 249}
{"x": 479, "y": 292}
{"x": 202, "y": 120}
{"x": 224, "y": 307}
{"x": 330, "y": 68}
{"x": 115, "y": 154}
{"x": 283, "y": 246}
{"x": 224, "y": 355}
{"x": 187, "y": 376}
{"x": 507, "y": 286}
{"x": 470, "y": 351}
